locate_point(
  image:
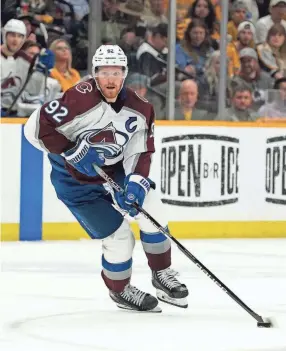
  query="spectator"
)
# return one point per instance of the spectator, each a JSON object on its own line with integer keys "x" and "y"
{"x": 277, "y": 108}
{"x": 240, "y": 110}
{"x": 31, "y": 48}
{"x": 245, "y": 36}
{"x": 188, "y": 97}
{"x": 277, "y": 9}
{"x": 193, "y": 51}
{"x": 150, "y": 54}
{"x": 209, "y": 86}
{"x": 63, "y": 71}
{"x": 238, "y": 14}
{"x": 272, "y": 53}
{"x": 251, "y": 74}
{"x": 205, "y": 10}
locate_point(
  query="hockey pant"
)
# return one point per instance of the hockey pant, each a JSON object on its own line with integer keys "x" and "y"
{"x": 94, "y": 210}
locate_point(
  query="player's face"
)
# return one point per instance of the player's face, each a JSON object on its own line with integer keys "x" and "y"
{"x": 110, "y": 80}
{"x": 14, "y": 41}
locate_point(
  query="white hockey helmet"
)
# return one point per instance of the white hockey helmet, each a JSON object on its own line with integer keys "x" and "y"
{"x": 14, "y": 26}
{"x": 109, "y": 55}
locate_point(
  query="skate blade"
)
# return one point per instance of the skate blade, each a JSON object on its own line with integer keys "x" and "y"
{"x": 156, "y": 309}
{"x": 182, "y": 303}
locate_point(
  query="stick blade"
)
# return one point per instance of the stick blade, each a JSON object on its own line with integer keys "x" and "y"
{"x": 268, "y": 323}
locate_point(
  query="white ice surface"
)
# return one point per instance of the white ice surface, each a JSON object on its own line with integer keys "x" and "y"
{"x": 52, "y": 298}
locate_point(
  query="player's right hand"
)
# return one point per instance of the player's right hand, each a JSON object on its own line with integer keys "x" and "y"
{"x": 136, "y": 188}
{"x": 82, "y": 156}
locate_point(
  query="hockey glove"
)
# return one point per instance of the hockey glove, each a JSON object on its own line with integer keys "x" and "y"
{"x": 3, "y": 113}
{"x": 82, "y": 156}
{"x": 46, "y": 61}
{"x": 136, "y": 188}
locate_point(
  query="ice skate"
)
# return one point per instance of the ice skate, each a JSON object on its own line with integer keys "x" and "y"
{"x": 134, "y": 299}
{"x": 169, "y": 289}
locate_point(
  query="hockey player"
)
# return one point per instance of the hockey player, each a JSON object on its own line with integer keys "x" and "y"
{"x": 15, "y": 65}
{"x": 101, "y": 122}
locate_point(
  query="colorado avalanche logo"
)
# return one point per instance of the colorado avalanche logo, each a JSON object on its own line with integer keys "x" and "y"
{"x": 9, "y": 89}
{"x": 107, "y": 141}
{"x": 8, "y": 83}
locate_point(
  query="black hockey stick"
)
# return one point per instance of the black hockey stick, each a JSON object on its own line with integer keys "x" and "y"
{"x": 264, "y": 323}
{"x": 46, "y": 38}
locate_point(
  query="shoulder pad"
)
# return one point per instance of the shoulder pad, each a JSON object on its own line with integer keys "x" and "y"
{"x": 84, "y": 87}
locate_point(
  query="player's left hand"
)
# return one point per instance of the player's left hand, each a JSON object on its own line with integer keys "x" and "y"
{"x": 136, "y": 188}
{"x": 46, "y": 60}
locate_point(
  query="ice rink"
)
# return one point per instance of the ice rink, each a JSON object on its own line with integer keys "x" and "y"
{"x": 52, "y": 298}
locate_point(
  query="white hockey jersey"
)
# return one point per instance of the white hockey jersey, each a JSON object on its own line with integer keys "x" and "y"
{"x": 14, "y": 71}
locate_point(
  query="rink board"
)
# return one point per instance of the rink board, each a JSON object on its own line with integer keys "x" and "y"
{"x": 216, "y": 180}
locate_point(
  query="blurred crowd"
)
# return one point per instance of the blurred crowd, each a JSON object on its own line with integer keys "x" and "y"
{"x": 53, "y": 53}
